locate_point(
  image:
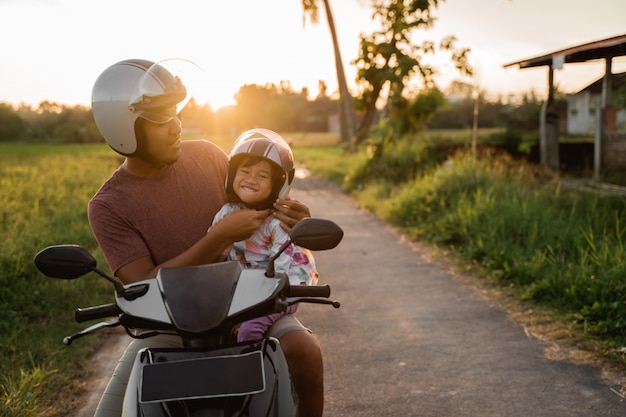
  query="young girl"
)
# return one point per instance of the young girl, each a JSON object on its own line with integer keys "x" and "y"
{"x": 260, "y": 171}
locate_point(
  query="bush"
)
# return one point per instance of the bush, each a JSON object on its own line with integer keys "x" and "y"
{"x": 398, "y": 164}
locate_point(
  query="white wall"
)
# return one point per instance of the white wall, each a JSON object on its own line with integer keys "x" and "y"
{"x": 582, "y": 114}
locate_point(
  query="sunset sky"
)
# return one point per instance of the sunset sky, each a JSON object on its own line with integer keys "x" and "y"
{"x": 55, "y": 49}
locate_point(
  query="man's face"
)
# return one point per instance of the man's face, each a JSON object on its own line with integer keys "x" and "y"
{"x": 160, "y": 142}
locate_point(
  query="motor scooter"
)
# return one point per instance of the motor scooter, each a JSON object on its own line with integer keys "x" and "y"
{"x": 212, "y": 374}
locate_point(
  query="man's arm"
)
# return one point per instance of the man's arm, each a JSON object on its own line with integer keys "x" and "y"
{"x": 237, "y": 226}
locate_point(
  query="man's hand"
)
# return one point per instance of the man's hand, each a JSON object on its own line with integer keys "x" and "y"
{"x": 290, "y": 212}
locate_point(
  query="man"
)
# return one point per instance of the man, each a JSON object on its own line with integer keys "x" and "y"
{"x": 156, "y": 208}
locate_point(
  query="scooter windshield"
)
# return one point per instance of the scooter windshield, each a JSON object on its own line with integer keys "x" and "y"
{"x": 197, "y": 298}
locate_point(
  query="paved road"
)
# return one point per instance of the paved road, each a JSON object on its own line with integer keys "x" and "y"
{"x": 411, "y": 340}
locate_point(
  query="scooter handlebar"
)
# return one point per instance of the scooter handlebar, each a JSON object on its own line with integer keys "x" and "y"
{"x": 97, "y": 312}
{"x": 309, "y": 291}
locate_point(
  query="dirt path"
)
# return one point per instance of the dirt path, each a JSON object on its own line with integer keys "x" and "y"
{"x": 413, "y": 338}
{"x": 103, "y": 363}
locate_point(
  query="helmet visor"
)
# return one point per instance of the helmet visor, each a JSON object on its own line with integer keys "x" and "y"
{"x": 164, "y": 90}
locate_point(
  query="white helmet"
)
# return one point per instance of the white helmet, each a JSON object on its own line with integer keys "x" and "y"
{"x": 270, "y": 146}
{"x": 137, "y": 88}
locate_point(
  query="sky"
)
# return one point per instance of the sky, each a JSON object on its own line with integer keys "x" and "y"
{"x": 55, "y": 49}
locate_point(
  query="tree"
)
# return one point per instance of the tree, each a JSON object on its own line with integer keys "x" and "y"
{"x": 198, "y": 117}
{"x": 388, "y": 59}
{"x": 411, "y": 116}
{"x": 12, "y": 126}
{"x": 346, "y": 109}
{"x": 278, "y": 108}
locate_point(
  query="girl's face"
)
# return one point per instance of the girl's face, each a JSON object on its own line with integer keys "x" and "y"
{"x": 253, "y": 182}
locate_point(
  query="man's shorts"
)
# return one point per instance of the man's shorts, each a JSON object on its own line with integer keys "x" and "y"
{"x": 285, "y": 324}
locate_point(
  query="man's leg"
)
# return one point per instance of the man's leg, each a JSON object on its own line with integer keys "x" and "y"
{"x": 112, "y": 399}
{"x": 304, "y": 358}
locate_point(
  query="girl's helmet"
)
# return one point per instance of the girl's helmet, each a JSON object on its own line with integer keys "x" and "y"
{"x": 268, "y": 145}
{"x": 137, "y": 88}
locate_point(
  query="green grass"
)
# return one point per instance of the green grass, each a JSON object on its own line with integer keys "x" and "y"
{"x": 45, "y": 190}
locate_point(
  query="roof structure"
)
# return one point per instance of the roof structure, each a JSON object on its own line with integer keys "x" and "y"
{"x": 601, "y": 49}
{"x": 605, "y": 49}
{"x": 618, "y": 82}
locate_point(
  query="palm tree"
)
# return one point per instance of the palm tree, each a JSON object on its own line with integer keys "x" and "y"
{"x": 346, "y": 110}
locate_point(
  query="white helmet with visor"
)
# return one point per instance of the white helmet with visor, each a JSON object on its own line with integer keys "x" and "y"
{"x": 137, "y": 88}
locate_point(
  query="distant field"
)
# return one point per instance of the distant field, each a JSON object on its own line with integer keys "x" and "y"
{"x": 293, "y": 138}
{"x": 459, "y": 135}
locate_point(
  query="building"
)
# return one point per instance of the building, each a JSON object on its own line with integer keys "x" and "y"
{"x": 584, "y": 106}
{"x": 609, "y": 144}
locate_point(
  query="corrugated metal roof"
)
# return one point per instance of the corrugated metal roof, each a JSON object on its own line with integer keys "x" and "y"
{"x": 605, "y": 48}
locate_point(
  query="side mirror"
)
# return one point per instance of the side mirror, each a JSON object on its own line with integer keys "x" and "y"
{"x": 65, "y": 261}
{"x": 316, "y": 234}
{"x": 311, "y": 233}
{"x": 73, "y": 261}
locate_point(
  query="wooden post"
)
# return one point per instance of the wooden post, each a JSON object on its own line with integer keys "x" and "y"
{"x": 601, "y": 120}
{"x": 476, "y": 94}
{"x": 549, "y": 129}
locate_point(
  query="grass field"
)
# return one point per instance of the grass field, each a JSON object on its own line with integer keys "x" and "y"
{"x": 43, "y": 202}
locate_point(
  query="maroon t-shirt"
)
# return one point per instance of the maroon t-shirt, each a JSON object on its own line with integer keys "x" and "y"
{"x": 160, "y": 217}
